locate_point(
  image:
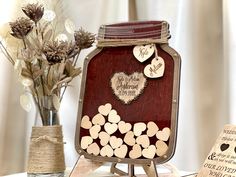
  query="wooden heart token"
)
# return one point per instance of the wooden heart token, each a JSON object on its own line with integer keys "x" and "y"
{"x": 161, "y": 148}
{"x": 163, "y": 134}
{"x": 98, "y": 119}
{"x": 124, "y": 127}
{"x": 139, "y": 128}
{"x": 149, "y": 152}
{"x": 85, "y": 122}
{"x": 136, "y": 152}
{"x": 93, "y": 149}
{"x": 129, "y": 138}
{"x": 107, "y": 151}
{"x": 152, "y": 129}
{"x": 104, "y": 138}
{"x": 121, "y": 151}
{"x": 128, "y": 87}
{"x": 110, "y": 128}
{"x": 113, "y": 117}
{"x": 142, "y": 53}
{"x": 86, "y": 141}
{"x": 105, "y": 109}
{"x": 94, "y": 130}
{"x": 115, "y": 142}
{"x": 155, "y": 69}
{"x": 143, "y": 140}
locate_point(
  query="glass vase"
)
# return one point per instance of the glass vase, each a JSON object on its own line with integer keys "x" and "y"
{"x": 49, "y": 110}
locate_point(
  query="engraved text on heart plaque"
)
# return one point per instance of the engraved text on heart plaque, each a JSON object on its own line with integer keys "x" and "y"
{"x": 128, "y": 87}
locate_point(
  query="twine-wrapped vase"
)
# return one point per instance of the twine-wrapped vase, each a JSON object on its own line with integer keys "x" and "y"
{"x": 46, "y": 152}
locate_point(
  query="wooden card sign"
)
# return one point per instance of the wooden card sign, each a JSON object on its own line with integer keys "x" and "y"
{"x": 221, "y": 161}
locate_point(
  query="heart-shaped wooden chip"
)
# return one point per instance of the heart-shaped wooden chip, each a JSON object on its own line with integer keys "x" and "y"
{"x": 136, "y": 152}
{"x": 143, "y": 140}
{"x": 155, "y": 69}
{"x": 121, "y": 151}
{"x": 115, "y": 142}
{"x": 107, "y": 151}
{"x": 98, "y": 119}
{"x": 93, "y": 149}
{"x": 128, "y": 87}
{"x": 104, "y": 138}
{"x": 105, "y": 109}
{"x": 124, "y": 127}
{"x": 142, "y": 53}
{"x": 163, "y": 134}
{"x": 152, "y": 129}
{"x": 149, "y": 152}
{"x": 85, "y": 122}
{"x": 94, "y": 130}
{"x": 139, "y": 128}
{"x": 161, "y": 148}
{"x": 110, "y": 128}
{"x": 86, "y": 141}
{"x": 113, "y": 117}
{"x": 129, "y": 138}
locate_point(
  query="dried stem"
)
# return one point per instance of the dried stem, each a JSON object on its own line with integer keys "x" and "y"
{"x": 36, "y": 29}
{"x": 24, "y": 43}
{"x": 41, "y": 77}
{"x": 49, "y": 69}
{"x": 63, "y": 92}
{"x": 37, "y": 95}
{"x": 6, "y": 53}
{"x": 76, "y": 58}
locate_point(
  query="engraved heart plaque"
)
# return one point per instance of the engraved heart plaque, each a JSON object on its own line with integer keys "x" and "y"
{"x": 128, "y": 87}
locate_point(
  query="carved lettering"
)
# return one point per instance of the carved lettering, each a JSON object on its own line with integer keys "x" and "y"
{"x": 128, "y": 87}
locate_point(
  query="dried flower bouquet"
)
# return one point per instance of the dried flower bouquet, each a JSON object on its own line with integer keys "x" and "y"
{"x": 47, "y": 65}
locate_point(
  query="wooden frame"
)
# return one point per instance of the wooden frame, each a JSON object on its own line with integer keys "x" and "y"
{"x": 174, "y": 114}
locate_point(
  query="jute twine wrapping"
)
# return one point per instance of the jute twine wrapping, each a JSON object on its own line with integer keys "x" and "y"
{"x": 46, "y": 153}
{"x": 129, "y": 42}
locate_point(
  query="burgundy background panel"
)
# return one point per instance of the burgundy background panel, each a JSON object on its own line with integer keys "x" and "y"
{"x": 154, "y": 104}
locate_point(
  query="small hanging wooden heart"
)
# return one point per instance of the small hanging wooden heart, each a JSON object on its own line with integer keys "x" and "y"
{"x": 142, "y": 53}
{"x": 128, "y": 87}
{"x": 155, "y": 69}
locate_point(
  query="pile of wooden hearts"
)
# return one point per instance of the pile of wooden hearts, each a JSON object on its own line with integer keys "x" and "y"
{"x": 138, "y": 140}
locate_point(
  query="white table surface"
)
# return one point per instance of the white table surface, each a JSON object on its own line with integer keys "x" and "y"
{"x": 104, "y": 171}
